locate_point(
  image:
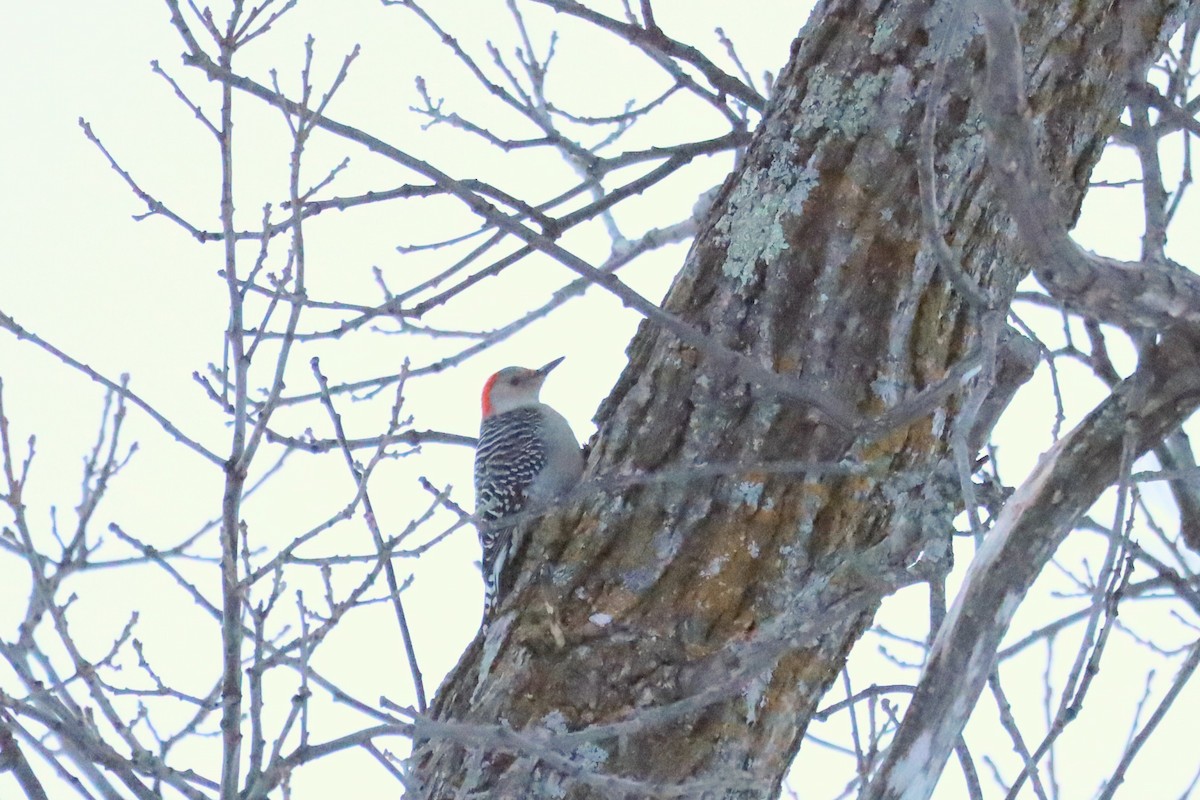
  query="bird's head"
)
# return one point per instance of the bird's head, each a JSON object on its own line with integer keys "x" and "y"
{"x": 514, "y": 387}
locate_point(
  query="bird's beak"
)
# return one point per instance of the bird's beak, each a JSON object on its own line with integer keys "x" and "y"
{"x": 544, "y": 371}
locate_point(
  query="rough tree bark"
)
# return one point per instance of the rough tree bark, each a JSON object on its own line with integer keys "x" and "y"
{"x": 686, "y": 630}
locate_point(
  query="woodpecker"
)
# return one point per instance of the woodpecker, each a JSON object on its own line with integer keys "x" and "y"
{"x": 526, "y": 454}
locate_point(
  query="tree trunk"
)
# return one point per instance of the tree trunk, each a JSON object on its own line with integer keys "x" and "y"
{"x": 701, "y": 620}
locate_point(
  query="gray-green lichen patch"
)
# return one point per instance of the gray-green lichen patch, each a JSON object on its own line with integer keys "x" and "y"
{"x": 555, "y": 722}
{"x": 747, "y": 493}
{"x": 713, "y": 568}
{"x": 887, "y": 388}
{"x": 885, "y": 31}
{"x": 830, "y": 104}
{"x": 564, "y": 575}
{"x": 953, "y": 27}
{"x": 751, "y": 227}
{"x": 804, "y": 183}
{"x": 590, "y": 756}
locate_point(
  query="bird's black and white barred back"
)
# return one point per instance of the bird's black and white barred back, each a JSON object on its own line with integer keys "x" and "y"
{"x": 510, "y": 454}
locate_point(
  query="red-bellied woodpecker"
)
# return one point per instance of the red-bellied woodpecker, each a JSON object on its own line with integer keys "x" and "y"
{"x": 527, "y": 455}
